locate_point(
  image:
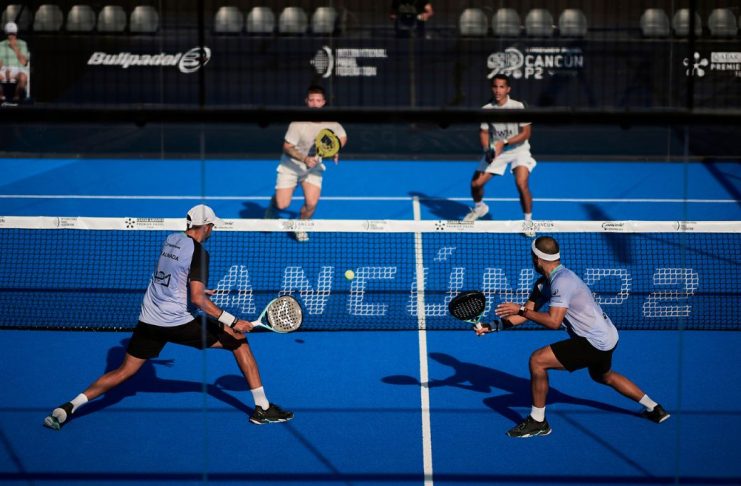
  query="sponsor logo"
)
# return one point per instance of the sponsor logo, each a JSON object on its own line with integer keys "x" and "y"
{"x": 144, "y": 223}
{"x": 453, "y": 225}
{"x": 535, "y": 62}
{"x": 614, "y": 226}
{"x": 697, "y": 66}
{"x": 375, "y": 225}
{"x": 729, "y": 62}
{"x": 297, "y": 224}
{"x": 343, "y": 62}
{"x": 66, "y": 222}
{"x": 685, "y": 225}
{"x": 186, "y": 62}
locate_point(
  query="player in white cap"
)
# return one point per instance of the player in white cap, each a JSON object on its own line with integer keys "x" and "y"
{"x": 181, "y": 277}
{"x": 14, "y": 58}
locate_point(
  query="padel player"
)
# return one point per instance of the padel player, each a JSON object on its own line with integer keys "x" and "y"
{"x": 593, "y": 337}
{"x": 300, "y": 165}
{"x": 503, "y": 144}
{"x": 181, "y": 278}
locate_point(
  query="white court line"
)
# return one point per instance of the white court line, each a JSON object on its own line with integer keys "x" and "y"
{"x": 372, "y": 198}
{"x": 424, "y": 389}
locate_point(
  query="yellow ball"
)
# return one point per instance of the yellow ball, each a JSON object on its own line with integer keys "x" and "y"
{"x": 349, "y": 274}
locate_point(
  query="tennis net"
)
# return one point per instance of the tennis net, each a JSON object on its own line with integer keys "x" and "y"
{"x": 91, "y": 273}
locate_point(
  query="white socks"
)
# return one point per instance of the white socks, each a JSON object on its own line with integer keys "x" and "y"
{"x": 538, "y": 414}
{"x": 80, "y": 399}
{"x": 61, "y": 414}
{"x": 647, "y": 402}
{"x": 528, "y": 216}
{"x": 258, "y": 394}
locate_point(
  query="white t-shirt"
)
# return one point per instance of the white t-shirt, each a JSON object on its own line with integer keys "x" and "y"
{"x": 166, "y": 301}
{"x": 584, "y": 316}
{"x": 502, "y": 131}
{"x": 302, "y": 135}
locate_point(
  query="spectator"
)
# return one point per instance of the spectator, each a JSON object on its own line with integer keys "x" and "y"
{"x": 14, "y": 58}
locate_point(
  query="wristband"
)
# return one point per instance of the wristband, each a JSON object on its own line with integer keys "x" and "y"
{"x": 227, "y": 319}
{"x": 505, "y": 142}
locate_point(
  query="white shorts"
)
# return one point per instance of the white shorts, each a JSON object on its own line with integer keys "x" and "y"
{"x": 513, "y": 157}
{"x": 11, "y": 73}
{"x": 289, "y": 177}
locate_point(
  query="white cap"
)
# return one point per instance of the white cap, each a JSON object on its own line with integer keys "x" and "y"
{"x": 202, "y": 215}
{"x": 11, "y": 28}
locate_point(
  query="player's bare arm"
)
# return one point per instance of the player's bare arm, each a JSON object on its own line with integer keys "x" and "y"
{"x": 551, "y": 319}
{"x": 296, "y": 154}
{"x": 199, "y": 297}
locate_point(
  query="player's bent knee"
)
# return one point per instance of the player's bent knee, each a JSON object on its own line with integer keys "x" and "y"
{"x": 601, "y": 378}
{"x": 230, "y": 342}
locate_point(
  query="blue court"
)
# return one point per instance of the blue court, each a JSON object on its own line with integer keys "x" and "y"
{"x": 362, "y": 416}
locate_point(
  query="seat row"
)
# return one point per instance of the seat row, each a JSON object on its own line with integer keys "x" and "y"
{"x": 655, "y": 23}
{"x": 506, "y": 22}
{"x": 82, "y": 18}
{"x": 145, "y": 19}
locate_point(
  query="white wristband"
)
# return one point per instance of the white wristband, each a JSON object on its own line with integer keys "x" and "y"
{"x": 227, "y": 319}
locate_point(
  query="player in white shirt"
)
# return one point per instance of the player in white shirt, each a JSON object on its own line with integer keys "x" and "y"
{"x": 503, "y": 144}
{"x": 180, "y": 279}
{"x": 593, "y": 337}
{"x": 299, "y": 163}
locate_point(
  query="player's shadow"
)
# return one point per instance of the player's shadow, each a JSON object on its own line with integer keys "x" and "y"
{"x": 616, "y": 242}
{"x": 251, "y": 210}
{"x": 147, "y": 381}
{"x": 482, "y": 379}
{"x": 441, "y": 207}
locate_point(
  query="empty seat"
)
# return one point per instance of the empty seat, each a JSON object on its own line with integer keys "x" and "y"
{"x": 681, "y": 23}
{"x": 22, "y": 15}
{"x": 654, "y": 23}
{"x": 324, "y": 21}
{"x": 111, "y": 18}
{"x": 261, "y": 20}
{"x": 80, "y": 18}
{"x": 293, "y": 20}
{"x": 48, "y": 18}
{"x": 539, "y": 23}
{"x": 572, "y": 23}
{"x": 228, "y": 20}
{"x": 722, "y": 23}
{"x": 472, "y": 22}
{"x": 144, "y": 20}
{"x": 506, "y": 22}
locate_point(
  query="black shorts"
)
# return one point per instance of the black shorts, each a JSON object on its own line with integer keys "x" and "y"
{"x": 576, "y": 353}
{"x": 148, "y": 340}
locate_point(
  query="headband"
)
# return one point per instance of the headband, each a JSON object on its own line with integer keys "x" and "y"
{"x": 545, "y": 256}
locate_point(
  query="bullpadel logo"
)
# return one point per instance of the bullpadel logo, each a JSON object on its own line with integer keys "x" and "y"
{"x": 186, "y": 62}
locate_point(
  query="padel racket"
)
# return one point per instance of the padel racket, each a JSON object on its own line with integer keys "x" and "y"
{"x": 283, "y": 314}
{"x": 468, "y": 306}
{"x": 327, "y": 144}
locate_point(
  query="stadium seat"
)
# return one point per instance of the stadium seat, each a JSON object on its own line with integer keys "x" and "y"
{"x": 48, "y": 18}
{"x": 473, "y": 23}
{"x": 22, "y": 15}
{"x": 654, "y": 23}
{"x": 112, "y": 18}
{"x": 228, "y": 20}
{"x": 144, "y": 20}
{"x": 324, "y": 21}
{"x": 293, "y": 20}
{"x": 506, "y": 22}
{"x": 539, "y": 23}
{"x": 572, "y": 23}
{"x": 260, "y": 20}
{"x": 722, "y": 23}
{"x": 80, "y": 18}
{"x": 681, "y": 23}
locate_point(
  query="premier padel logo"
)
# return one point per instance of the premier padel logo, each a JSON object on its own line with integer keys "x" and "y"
{"x": 186, "y": 62}
{"x": 346, "y": 62}
{"x": 697, "y": 66}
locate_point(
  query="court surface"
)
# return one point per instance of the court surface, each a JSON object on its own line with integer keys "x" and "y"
{"x": 362, "y": 416}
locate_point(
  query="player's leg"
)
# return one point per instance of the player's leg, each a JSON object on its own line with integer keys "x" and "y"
{"x": 20, "y": 85}
{"x": 285, "y": 184}
{"x": 623, "y": 385}
{"x": 479, "y": 209}
{"x": 3, "y": 79}
{"x": 522, "y": 178}
{"x": 312, "y": 191}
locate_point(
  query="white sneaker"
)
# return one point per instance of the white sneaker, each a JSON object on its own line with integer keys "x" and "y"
{"x": 477, "y": 212}
{"x": 301, "y": 236}
{"x": 528, "y": 229}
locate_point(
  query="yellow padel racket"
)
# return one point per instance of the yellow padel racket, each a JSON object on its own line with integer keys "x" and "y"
{"x": 327, "y": 144}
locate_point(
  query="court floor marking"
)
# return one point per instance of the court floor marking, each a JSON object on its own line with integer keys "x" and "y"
{"x": 376, "y": 198}
{"x": 424, "y": 388}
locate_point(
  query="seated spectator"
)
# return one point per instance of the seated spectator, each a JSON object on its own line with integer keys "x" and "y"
{"x": 14, "y": 58}
{"x": 410, "y": 16}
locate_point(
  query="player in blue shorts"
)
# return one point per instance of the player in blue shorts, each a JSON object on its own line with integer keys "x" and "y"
{"x": 181, "y": 278}
{"x": 593, "y": 337}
